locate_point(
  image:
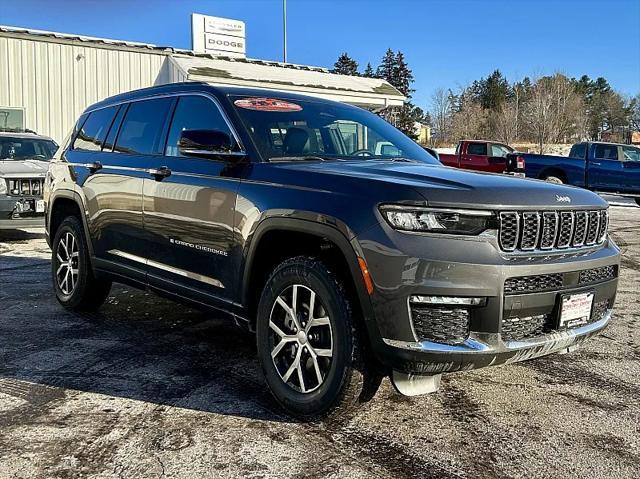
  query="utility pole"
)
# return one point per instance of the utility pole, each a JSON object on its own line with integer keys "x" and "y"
{"x": 284, "y": 28}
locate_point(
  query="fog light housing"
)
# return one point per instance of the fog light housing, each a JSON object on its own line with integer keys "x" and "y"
{"x": 448, "y": 300}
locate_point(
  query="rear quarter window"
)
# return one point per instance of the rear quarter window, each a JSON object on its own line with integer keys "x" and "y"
{"x": 94, "y": 130}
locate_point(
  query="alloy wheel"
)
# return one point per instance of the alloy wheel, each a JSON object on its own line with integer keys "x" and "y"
{"x": 300, "y": 339}
{"x": 68, "y": 261}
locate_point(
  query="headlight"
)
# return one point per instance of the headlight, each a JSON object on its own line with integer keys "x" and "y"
{"x": 452, "y": 221}
{"x": 3, "y": 186}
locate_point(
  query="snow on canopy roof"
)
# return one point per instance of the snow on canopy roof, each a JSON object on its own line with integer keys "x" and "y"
{"x": 372, "y": 92}
{"x": 223, "y": 70}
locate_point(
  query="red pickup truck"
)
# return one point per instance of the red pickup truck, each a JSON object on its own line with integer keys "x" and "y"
{"x": 479, "y": 155}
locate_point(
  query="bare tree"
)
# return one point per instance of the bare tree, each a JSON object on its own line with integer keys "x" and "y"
{"x": 440, "y": 115}
{"x": 470, "y": 119}
{"x": 539, "y": 114}
{"x": 506, "y": 121}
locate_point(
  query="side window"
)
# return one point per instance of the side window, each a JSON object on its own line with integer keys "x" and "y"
{"x": 606, "y": 152}
{"x": 499, "y": 150}
{"x": 194, "y": 113}
{"x": 141, "y": 130}
{"x": 578, "y": 151}
{"x": 631, "y": 153}
{"x": 94, "y": 130}
{"x": 477, "y": 149}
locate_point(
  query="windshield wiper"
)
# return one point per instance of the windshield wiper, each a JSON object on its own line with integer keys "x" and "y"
{"x": 298, "y": 158}
{"x": 396, "y": 158}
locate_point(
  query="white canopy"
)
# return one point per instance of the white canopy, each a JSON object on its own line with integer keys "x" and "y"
{"x": 367, "y": 92}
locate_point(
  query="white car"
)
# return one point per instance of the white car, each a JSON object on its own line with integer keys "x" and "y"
{"x": 24, "y": 160}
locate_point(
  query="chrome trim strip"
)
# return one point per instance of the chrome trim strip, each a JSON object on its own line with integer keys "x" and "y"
{"x": 166, "y": 267}
{"x": 175, "y": 94}
{"x": 112, "y": 167}
{"x": 492, "y": 344}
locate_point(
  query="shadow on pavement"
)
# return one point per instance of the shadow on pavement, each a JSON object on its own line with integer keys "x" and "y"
{"x": 137, "y": 346}
{"x": 21, "y": 235}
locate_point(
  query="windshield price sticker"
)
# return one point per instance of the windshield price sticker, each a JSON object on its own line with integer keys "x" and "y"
{"x": 267, "y": 104}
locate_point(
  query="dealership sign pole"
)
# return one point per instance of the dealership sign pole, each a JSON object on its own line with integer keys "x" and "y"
{"x": 284, "y": 27}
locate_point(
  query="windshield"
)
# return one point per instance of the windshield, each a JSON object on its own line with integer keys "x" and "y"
{"x": 308, "y": 129}
{"x": 16, "y": 148}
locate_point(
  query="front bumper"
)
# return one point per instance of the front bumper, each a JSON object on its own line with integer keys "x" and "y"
{"x": 403, "y": 265}
{"x": 12, "y": 217}
{"x": 482, "y": 350}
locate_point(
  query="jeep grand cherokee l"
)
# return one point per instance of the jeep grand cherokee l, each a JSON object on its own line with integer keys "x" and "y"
{"x": 283, "y": 213}
{"x": 24, "y": 159}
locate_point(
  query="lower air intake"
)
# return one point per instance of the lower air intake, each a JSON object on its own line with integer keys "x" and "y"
{"x": 440, "y": 324}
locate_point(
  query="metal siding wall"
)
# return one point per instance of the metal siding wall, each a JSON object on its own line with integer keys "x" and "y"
{"x": 55, "y": 82}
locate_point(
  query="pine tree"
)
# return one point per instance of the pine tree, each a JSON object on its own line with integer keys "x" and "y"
{"x": 387, "y": 66}
{"x": 494, "y": 91}
{"x": 345, "y": 65}
{"x": 394, "y": 69}
{"x": 402, "y": 76}
{"x": 369, "y": 72}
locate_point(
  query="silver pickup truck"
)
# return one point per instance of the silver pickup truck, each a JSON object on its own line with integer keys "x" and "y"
{"x": 24, "y": 160}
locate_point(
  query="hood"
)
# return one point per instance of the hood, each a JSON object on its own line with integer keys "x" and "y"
{"x": 23, "y": 168}
{"x": 444, "y": 186}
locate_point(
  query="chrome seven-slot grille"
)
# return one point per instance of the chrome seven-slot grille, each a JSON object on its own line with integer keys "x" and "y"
{"x": 25, "y": 186}
{"x": 534, "y": 230}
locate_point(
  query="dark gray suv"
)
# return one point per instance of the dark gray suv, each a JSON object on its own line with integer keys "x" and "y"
{"x": 349, "y": 250}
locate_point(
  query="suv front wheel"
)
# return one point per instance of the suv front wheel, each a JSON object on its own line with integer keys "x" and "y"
{"x": 76, "y": 287}
{"x": 308, "y": 344}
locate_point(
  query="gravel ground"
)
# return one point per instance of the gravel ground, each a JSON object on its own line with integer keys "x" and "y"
{"x": 146, "y": 388}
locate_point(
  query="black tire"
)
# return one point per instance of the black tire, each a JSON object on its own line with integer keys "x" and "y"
{"x": 637, "y": 201}
{"x": 85, "y": 292}
{"x": 348, "y": 380}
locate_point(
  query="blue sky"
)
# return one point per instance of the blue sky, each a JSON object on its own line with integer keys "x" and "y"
{"x": 447, "y": 43}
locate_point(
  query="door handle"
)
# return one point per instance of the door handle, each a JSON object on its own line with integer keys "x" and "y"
{"x": 596, "y": 163}
{"x": 93, "y": 167}
{"x": 160, "y": 173}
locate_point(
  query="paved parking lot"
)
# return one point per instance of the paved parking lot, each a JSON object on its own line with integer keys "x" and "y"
{"x": 147, "y": 388}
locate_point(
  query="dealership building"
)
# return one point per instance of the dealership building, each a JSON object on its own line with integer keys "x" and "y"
{"x": 47, "y": 79}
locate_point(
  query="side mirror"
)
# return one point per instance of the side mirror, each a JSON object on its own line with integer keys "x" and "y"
{"x": 207, "y": 143}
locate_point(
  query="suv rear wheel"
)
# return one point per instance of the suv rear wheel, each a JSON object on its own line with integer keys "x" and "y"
{"x": 308, "y": 345}
{"x": 75, "y": 285}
